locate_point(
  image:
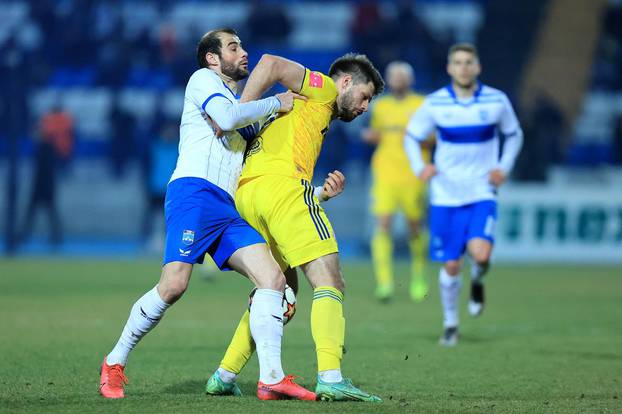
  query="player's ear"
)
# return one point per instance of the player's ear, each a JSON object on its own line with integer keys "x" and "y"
{"x": 212, "y": 59}
{"x": 346, "y": 81}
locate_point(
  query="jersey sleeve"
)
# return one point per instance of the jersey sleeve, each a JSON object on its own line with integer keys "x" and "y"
{"x": 208, "y": 93}
{"x": 510, "y": 128}
{"x": 203, "y": 88}
{"x": 508, "y": 123}
{"x": 421, "y": 124}
{"x": 318, "y": 87}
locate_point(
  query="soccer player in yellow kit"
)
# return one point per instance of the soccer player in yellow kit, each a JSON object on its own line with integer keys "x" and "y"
{"x": 395, "y": 187}
{"x": 275, "y": 196}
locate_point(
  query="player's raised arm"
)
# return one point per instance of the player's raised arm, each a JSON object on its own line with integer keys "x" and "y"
{"x": 270, "y": 70}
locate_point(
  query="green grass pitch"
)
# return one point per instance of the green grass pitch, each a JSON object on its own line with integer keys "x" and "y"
{"x": 549, "y": 341}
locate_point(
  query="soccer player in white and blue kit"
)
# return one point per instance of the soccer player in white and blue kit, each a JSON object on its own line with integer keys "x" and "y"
{"x": 465, "y": 175}
{"x": 201, "y": 216}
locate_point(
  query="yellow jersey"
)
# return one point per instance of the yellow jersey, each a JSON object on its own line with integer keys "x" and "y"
{"x": 290, "y": 144}
{"x": 390, "y": 116}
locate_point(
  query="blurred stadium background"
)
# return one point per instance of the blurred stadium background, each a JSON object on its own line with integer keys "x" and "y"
{"x": 92, "y": 93}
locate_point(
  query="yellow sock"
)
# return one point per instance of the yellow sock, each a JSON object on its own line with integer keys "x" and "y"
{"x": 382, "y": 252}
{"x": 241, "y": 347}
{"x": 328, "y": 327}
{"x": 418, "y": 256}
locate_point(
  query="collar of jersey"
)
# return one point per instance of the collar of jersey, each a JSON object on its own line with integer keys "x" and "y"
{"x": 474, "y": 99}
{"x": 229, "y": 89}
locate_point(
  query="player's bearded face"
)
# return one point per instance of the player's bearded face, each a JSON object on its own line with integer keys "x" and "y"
{"x": 353, "y": 101}
{"x": 234, "y": 70}
{"x": 233, "y": 58}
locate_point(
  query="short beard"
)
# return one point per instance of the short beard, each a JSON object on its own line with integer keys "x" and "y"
{"x": 344, "y": 107}
{"x": 234, "y": 72}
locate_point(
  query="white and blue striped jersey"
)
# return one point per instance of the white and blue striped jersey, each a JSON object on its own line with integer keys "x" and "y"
{"x": 201, "y": 153}
{"x": 467, "y": 144}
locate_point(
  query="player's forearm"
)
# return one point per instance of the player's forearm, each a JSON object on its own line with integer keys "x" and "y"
{"x": 270, "y": 70}
{"x": 413, "y": 151}
{"x": 511, "y": 147}
{"x": 262, "y": 78}
{"x": 229, "y": 116}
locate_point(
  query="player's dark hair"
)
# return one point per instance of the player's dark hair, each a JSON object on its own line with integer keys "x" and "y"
{"x": 360, "y": 68}
{"x": 463, "y": 47}
{"x": 210, "y": 43}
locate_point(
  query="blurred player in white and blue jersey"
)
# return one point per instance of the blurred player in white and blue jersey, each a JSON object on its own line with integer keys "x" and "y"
{"x": 201, "y": 216}
{"x": 465, "y": 175}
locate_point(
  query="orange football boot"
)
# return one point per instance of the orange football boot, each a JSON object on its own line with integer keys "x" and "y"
{"x": 287, "y": 389}
{"x": 112, "y": 380}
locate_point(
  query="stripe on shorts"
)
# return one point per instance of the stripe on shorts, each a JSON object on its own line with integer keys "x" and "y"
{"x": 314, "y": 211}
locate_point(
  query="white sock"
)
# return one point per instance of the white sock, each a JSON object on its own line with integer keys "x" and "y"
{"x": 266, "y": 320}
{"x": 331, "y": 375}
{"x": 450, "y": 295}
{"x": 226, "y": 376}
{"x": 144, "y": 316}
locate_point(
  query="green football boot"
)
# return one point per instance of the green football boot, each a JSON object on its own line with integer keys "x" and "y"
{"x": 384, "y": 292}
{"x": 216, "y": 386}
{"x": 418, "y": 288}
{"x": 342, "y": 391}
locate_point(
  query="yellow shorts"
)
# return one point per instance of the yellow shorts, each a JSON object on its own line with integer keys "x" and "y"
{"x": 285, "y": 212}
{"x": 388, "y": 198}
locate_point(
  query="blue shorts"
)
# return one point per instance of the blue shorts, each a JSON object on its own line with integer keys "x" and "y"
{"x": 201, "y": 218}
{"x": 451, "y": 228}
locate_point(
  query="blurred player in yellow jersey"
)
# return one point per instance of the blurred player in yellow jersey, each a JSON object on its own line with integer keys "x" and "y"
{"x": 395, "y": 187}
{"x": 276, "y": 198}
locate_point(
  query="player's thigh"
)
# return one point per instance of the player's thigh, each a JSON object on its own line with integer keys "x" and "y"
{"x": 483, "y": 220}
{"x": 412, "y": 202}
{"x": 324, "y": 271}
{"x": 196, "y": 215}
{"x": 482, "y": 223}
{"x": 448, "y": 226}
{"x": 253, "y": 203}
{"x": 384, "y": 199}
{"x": 297, "y": 222}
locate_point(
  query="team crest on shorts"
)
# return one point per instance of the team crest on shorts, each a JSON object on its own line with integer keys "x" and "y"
{"x": 187, "y": 237}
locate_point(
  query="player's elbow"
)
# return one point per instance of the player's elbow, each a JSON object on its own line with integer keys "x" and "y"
{"x": 268, "y": 61}
{"x": 226, "y": 122}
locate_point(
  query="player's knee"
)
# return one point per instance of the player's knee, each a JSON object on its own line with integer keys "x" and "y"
{"x": 173, "y": 290}
{"x": 452, "y": 267}
{"x": 482, "y": 258}
{"x": 174, "y": 281}
{"x": 272, "y": 279}
{"x": 340, "y": 283}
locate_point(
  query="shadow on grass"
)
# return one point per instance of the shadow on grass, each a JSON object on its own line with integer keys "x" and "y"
{"x": 197, "y": 386}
